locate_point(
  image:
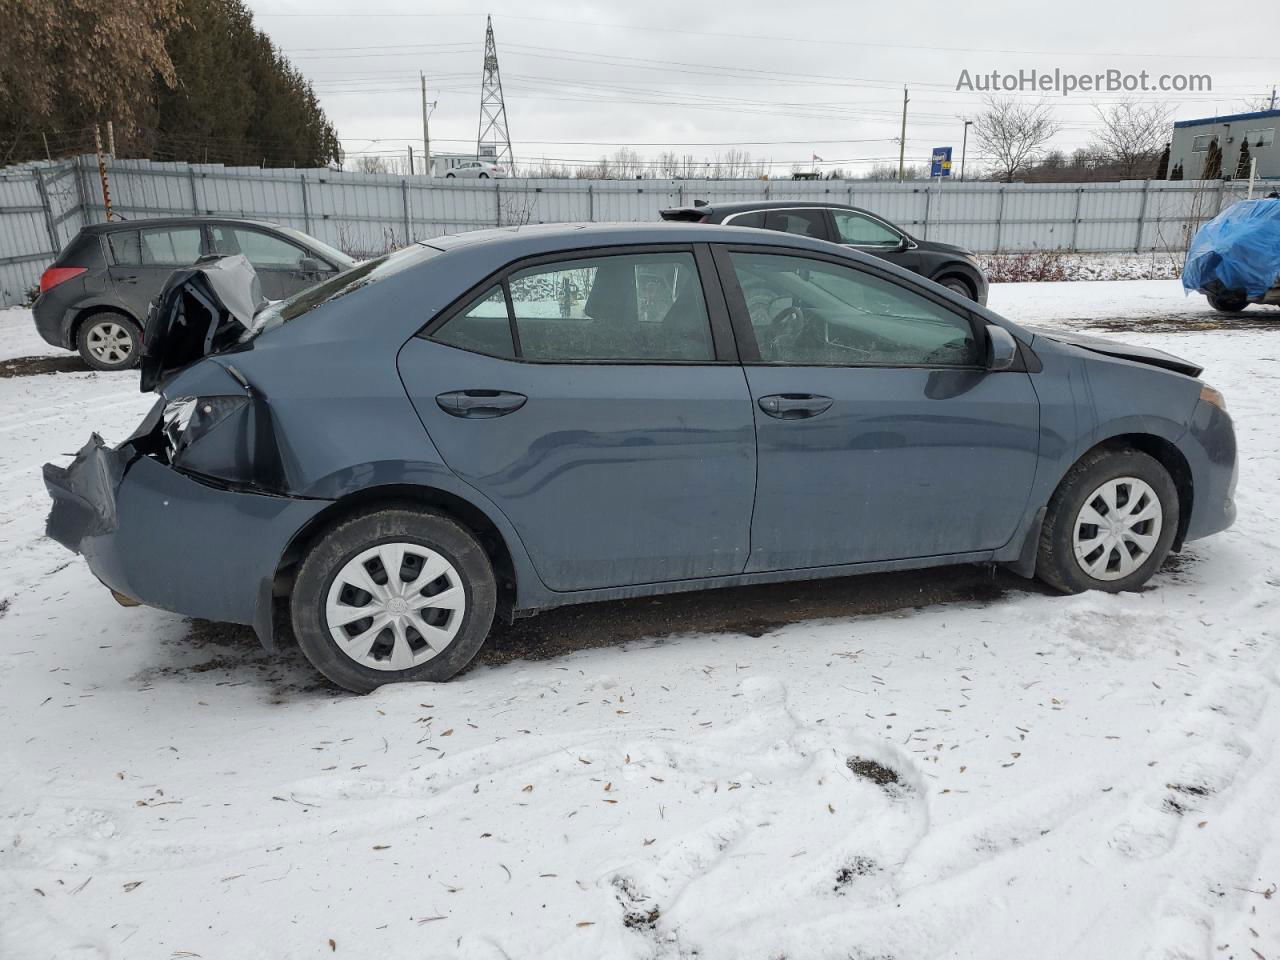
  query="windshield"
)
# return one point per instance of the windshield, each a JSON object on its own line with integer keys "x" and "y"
{"x": 349, "y": 281}
{"x": 320, "y": 247}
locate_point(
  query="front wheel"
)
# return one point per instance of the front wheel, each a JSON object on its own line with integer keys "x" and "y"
{"x": 1110, "y": 523}
{"x": 108, "y": 341}
{"x": 957, "y": 286}
{"x": 1232, "y": 301}
{"x": 450, "y": 176}
{"x": 393, "y": 595}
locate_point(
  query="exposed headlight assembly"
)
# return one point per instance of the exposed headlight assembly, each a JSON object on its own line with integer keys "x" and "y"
{"x": 187, "y": 419}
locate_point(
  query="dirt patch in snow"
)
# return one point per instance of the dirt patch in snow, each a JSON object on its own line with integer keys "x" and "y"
{"x": 874, "y": 771}
{"x": 1266, "y": 319}
{"x": 751, "y": 611}
{"x": 29, "y": 366}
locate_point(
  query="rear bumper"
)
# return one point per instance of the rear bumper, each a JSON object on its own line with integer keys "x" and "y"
{"x": 50, "y": 316}
{"x": 166, "y": 540}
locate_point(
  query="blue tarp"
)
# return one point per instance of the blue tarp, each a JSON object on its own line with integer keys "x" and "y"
{"x": 1239, "y": 249}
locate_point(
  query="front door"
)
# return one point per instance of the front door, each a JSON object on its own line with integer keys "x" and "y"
{"x": 282, "y": 267}
{"x": 881, "y": 435}
{"x": 588, "y": 399}
{"x": 874, "y": 236}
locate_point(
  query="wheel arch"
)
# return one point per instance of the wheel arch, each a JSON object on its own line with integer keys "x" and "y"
{"x": 954, "y": 271}
{"x": 81, "y": 314}
{"x": 1167, "y": 454}
{"x": 506, "y": 568}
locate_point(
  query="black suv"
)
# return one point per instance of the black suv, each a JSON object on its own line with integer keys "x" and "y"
{"x": 953, "y": 267}
{"x": 96, "y": 295}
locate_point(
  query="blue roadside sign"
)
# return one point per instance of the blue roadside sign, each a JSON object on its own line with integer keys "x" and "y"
{"x": 941, "y": 164}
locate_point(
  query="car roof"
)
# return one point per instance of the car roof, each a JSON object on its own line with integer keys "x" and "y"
{"x": 738, "y": 206}
{"x": 172, "y": 222}
{"x": 512, "y": 243}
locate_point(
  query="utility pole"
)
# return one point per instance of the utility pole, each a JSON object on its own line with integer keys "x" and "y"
{"x": 902, "y": 141}
{"x": 964, "y": 146}
{"x": 426, "y": 130}
{"x": 1273, "y": 99}
{"x": 411, "y": 159}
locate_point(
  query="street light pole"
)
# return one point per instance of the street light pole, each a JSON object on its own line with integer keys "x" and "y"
{"x": 964, "y": 146}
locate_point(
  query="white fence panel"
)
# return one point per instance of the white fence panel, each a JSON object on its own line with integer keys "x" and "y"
{"x": 43, "y": 205}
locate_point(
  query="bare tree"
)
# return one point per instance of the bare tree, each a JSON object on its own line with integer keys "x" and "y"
{"x": 1012, "y": 133}
{"x": 1131, "y": 135}
{"x": 371, "y": 164}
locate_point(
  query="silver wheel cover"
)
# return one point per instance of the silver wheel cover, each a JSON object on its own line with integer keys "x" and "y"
{"x": 1117, "y": 529}
{"x": 395, "y": 606}
{"x": 110, "y": 342}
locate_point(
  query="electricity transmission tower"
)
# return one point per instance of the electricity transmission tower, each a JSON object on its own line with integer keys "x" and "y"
{"x": 493, "y": 112}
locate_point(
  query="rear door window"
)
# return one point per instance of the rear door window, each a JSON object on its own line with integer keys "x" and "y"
{"x": 645, "y": 307}
{"x": 803, "y": 223}
{"x": 173, "y": 246}
{"x": 126, "y": 249}
{"x": 747, "y": 220}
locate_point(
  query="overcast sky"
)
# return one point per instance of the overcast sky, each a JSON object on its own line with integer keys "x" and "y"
{"x": 783, "y": 80}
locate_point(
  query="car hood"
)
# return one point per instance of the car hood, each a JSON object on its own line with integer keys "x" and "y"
{"x": 937, "y": 246}
{"x": 1124, "y": 351}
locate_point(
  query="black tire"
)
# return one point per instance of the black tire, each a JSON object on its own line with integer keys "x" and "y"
{"x": 450, "y": 176}
{"x": 328, "y": 555}
{"x": 957, "y": 286}
{"x": 1056, "y": 563}
{"x": 483, "y": 176}
{"x": 1231, "y": 301}
{"x": 98, "y": 341}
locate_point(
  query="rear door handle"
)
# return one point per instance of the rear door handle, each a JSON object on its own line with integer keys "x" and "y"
{"x": 480, "y": 404}
{"x": 794, "y": 406}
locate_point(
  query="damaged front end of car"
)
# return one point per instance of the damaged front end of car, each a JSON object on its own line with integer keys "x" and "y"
{"x": 202, "y": 477}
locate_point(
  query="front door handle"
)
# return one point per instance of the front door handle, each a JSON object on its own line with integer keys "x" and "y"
{"x": 794, "y": 406}
{"x": 480, "y": 404}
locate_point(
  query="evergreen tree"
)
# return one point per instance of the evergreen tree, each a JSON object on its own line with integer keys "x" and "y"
{"x": 1162, "y": 165}
{"x": 180, "y": 79}
{"x": 1212, "y": 162}
{"x": 1242, "y": 167}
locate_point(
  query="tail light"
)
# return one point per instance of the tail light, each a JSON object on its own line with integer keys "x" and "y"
{"x": 56, "y": 275}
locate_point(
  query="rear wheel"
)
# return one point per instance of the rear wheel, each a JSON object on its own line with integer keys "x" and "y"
{"x": 109, "y": 341}
{"x": 393, "y": 595}
{"x": 1231, "y": 301}
{"x": 484, "y": 176}
{"x": 450, "y": 176}
{"x": 1110, "y": 523}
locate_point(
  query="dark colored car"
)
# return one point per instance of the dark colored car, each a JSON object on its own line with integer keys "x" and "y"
{"x": 953, "y": 267}
{"x": 500, "y": 422}
{"x": 95, "y": 296}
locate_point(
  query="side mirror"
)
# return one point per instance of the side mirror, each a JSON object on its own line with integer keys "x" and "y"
{"x": 1002, "y": 349}
{"x": 903, "y": 244}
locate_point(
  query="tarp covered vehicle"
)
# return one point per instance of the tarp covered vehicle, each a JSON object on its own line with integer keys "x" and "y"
{"x": 1234, "y": 259}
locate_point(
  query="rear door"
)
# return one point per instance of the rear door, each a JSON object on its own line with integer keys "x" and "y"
{"x": 881, "y": 435}
{"x": 141, "y": 261}
{"x": 596, "y": 399}
{"x": 283, "y": 267}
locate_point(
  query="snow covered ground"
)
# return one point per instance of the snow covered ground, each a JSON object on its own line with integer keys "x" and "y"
{"x": 1026, "y": 776}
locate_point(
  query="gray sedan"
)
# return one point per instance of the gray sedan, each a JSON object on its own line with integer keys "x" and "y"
{"x": 496, "y": 423}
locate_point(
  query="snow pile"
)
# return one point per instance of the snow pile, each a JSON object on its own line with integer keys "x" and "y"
{"x": 1029, "y": 776}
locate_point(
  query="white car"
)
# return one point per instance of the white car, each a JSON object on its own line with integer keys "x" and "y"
{"x": 479, "y": 169}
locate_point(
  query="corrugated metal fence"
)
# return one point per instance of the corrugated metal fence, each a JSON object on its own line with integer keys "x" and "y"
{"x": 43, "y": 205}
